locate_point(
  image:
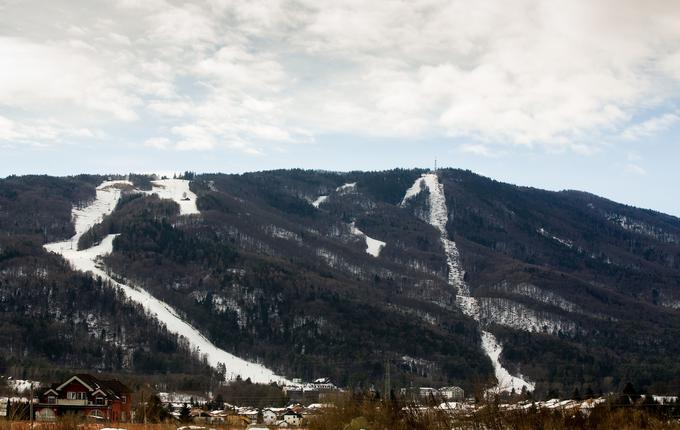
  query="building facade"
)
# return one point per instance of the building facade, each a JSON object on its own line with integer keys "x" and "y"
{"x": 87, "y": 396}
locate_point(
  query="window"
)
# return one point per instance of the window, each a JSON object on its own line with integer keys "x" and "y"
{"x": 124, "y": 398}
{"x": 51, "y": 400}
{"x": 76, "y": 395}
{"x": 99, "y": 401}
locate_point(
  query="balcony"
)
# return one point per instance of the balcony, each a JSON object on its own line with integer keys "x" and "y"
{"x": 71, "y": 402}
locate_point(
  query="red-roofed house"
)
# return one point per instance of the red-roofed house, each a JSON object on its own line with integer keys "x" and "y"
{"x": 87, "y": 396}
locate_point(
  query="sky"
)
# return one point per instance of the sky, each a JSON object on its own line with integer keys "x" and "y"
{"x": 552, "y": 94}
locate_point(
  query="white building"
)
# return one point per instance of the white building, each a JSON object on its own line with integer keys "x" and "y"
{"x": 292, "y": 418}
{"x": 452, "y": 393}
{"x": 269, "y": 417}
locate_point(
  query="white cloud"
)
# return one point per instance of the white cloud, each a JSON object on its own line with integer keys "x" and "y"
{"x": 251, "y": 75}
{"x": 157, "y": 143}
{"x": 651, "y": 126}
{"x": 35, "y": 132}
{"x": 479, "y": 149}
{"x": 193, "y": 137}
{"x": 49, "y": 77}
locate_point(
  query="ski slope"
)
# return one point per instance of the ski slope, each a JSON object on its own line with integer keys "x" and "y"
{"x": 177, "y": 190}
{"x": 438, "y": 217}
{"x": 373, "y": 246}
{"x": 89, "y": 260}
{"x": 108, "y": 193}
{"x": 316, "y": 203}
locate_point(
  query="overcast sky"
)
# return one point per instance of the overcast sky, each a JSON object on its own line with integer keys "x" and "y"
{"x": 553, "y": 94}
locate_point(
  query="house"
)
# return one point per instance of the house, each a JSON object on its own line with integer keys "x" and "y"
{"x": 455, "y": 394}
{"x": 248, "y": 412}
{"x": 292, "y": 418}
{"x": 269, "y": 417}
{"x": 87, "y": 396}
{"x": 311, "y": 392}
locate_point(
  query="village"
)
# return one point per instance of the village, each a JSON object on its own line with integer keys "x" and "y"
{"x": 109, "y": 403}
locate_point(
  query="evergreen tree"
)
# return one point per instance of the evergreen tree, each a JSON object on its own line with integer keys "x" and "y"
{"x": 185, "y": 414}
{"x": 218, "y": 401}
{"x": 629, "y": 391}
{"x": 589, "y": 393}
{"x": 553, "y": 394}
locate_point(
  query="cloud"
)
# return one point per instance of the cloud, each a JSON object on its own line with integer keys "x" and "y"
{"x": 36, "y": 132}
{"x": 252, "y": 75}
{"x": 51, "y": 77}
{"x": 157, "y": 142}
{"x": 194, "y": 137}
{"x": 635, "y": 169}
{"x": 651, "y": 126}
{"x": 479, "y": 149}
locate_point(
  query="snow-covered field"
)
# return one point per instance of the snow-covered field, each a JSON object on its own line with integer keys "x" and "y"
{"x": 438, "y": 217}
{"x": 89, "y": 260}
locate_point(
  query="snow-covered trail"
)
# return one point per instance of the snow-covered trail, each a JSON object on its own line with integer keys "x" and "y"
{"x": 438, "y": 217}
{"x": 373, "y": 246}
{"x": 316, "y": 203}
{"x": 88, "y": 260}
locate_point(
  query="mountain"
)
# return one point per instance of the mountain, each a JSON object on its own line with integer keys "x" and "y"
{"x": 450, "y": 278}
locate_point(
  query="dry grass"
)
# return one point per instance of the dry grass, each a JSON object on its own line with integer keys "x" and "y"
{"x": 75, "y": 424}
{"x": 356, "y": 413}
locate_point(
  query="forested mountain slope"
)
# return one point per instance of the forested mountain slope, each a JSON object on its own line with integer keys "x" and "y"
{"x": 329, "y": 274}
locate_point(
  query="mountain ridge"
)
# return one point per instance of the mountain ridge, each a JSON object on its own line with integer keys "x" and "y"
{"x": 311, "y": 296}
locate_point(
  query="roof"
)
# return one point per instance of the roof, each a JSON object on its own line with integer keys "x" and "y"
{"x": 112, "y": 388}
{"x": 117, "y": 386}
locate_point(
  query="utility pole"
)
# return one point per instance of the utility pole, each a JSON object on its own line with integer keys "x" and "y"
{"x": 30, "y": 405}
{"x": 144, "y": 409}
{"x": 435, "y": 165}
{"x": 388, "y": 383}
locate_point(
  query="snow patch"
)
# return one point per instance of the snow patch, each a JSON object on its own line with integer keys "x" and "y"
{"x": 346, "y": 188}
{"x": 673, "y": 304}
{"x": 178, "y": 191}
{"x": 540, "y": 295}
{"x": 496, "y": 310}
{"x": 565, "y": 242}
{"x": 373, "y": 246}
{"x": 316, "y": 203}
{"x": 21, "y": 385}
{"x": 281, "y": 233}
{"x": 640, "y": 227}
{"x": 665, "y": 399}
